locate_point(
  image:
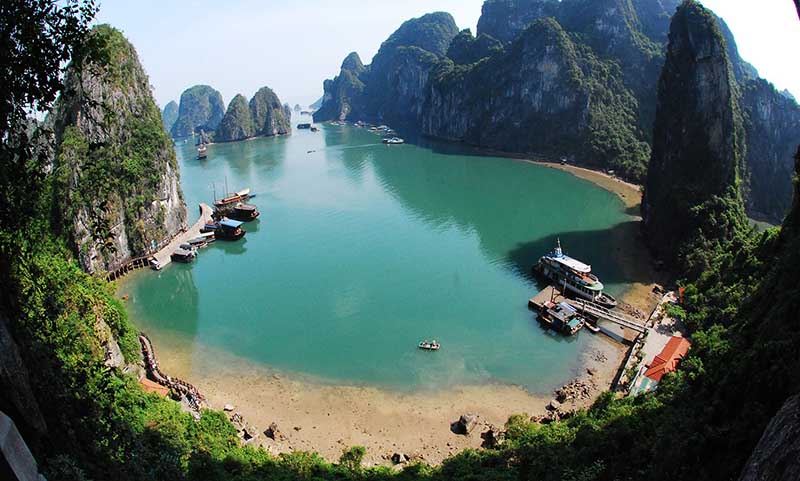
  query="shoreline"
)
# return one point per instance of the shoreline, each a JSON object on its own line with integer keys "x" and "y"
{"x": 327, "y": 417}
{"x": 316, "y": 415}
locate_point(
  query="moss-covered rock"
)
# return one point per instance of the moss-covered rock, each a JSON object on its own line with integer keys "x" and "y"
{"x": 115, "y": 168}
{"x": 201, "y": 108}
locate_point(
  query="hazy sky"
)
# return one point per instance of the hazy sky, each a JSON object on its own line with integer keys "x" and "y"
{"x": 238, "y": 46}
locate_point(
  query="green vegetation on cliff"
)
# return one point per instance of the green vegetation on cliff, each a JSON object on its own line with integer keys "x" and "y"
{"x": 268, "y": 114}
{"x": 201, "y": 108}
{"x": 238, "y": 123}
{"x": 115, "y": 166}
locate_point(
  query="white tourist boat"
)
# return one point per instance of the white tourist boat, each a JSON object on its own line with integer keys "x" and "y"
{"x": 573, "y": 276}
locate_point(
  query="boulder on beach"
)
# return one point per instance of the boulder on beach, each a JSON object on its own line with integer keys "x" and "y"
{"x": 465, "y": 424}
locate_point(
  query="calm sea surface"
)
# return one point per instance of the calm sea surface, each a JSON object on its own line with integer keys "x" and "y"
{"x": 363, "y": 250}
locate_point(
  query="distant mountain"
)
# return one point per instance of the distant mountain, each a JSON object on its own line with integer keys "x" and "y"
{"x": 264, "y": 115}
{"x": 201, "y": 108}
{"x": 169, "y": 115}
{"x": 530, "y": 67}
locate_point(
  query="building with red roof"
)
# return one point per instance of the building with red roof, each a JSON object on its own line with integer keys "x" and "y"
{"x": 667, "y": 360}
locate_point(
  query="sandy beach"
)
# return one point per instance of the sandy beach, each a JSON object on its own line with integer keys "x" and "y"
{"x": 313, "y": 415}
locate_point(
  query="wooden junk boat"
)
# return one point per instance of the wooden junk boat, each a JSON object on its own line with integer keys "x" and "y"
{"x": 244, "y": 212}
{"x": 232, "y": 199}
{"x": 228, "y": 229}
{"x": 429, "y": 346}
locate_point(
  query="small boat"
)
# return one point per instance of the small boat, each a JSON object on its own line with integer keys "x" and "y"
{"x": 183, "y": 255}
{"x": 429, "y": 346}
{"x": 314, "y": 129}
{"x": 154, "y": 264}
{"x": 244, "y": 212}
{"x": 202, "y": 152}
{"x": 229, "y": 229}
{"x": 393, "y": 141}
{"x": 303, "y": 126}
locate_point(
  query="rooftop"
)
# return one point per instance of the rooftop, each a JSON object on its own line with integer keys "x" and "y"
{"x": 667, "y": 360}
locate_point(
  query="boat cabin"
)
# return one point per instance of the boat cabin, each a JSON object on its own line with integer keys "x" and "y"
{"x": 244, "y": 212}
{"x": 183, "y": 255}
{"x": 561, "y": 317}
{"x": 229, "y": 229}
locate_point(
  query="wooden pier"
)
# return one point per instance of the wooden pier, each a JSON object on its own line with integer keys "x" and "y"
{"x": 164, "y": 253}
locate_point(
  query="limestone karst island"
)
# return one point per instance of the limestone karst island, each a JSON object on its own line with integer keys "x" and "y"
{"x": 535, "y": 240}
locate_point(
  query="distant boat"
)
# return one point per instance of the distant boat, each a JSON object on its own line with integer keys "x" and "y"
{"x": 303, "y": 126}
{"x": 202, "y": 152}
{"x": 429, "y": 346}
{"x": 314, "y": 129}
{"x": 393, "y": 141}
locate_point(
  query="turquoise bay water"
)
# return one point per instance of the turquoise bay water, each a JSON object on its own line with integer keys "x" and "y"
{"x": 363, "y": 250}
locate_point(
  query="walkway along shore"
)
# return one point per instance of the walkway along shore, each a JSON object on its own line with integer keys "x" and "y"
{"x": 180, "y": 386}
{"x": 164, "y": 254}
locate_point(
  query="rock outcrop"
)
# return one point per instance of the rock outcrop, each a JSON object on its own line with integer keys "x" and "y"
{"x": 117, "y": 174}
{"x": 505, "y": 19}
{"x": 772, "y": 124}
{"x": 169, "y": 115}
{"x": 542, "y": 94}
{"x": 268, "y": 114}
{"x": 201, "y": 108}
{"x": 393, "y": 86}
{"x": 238, "y": 123}
{"x": 777, "y": 455}
{"x": 691, "y": 198}
{"x": 466, "y": 49}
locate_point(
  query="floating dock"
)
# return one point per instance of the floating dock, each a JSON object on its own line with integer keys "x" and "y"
{"x": 164, "y": 256}
{"x": 612, "y": 324}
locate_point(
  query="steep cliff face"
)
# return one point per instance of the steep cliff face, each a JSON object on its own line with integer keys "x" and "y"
{"x": 238, "y": 123}
{"x": 544, "y": 94}
{"x": 345, "y": 93}
{"x": 692, "y": 194}
{"x": 772, "y": 123}
{"x": 505, "y": 19}
{"x": 393, "y": 87}
{"x": 777, "y": 456}
{"x": 268, "y": 114}
{"x": 115, "y": 166}
{"x": 201, "y": 108}
{"x": 169, "y": 115}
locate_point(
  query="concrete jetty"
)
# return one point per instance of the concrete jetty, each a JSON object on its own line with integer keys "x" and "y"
{"x": 163, "y": 256}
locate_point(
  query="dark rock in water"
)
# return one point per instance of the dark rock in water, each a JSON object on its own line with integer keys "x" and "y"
{"x": 697, "y": 145}
{"x": 201, "y": 107}
{"x": 465, "y": 424}
{"x": 238, "y": 123}
{"x": 169, "y": 115}
{"x": 118, "y": 176}
{"x": 268, "y": 114}
{"x": 777, "y": 455}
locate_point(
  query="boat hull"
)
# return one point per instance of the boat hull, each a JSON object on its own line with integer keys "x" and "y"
{"x": 548, "y": 273}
